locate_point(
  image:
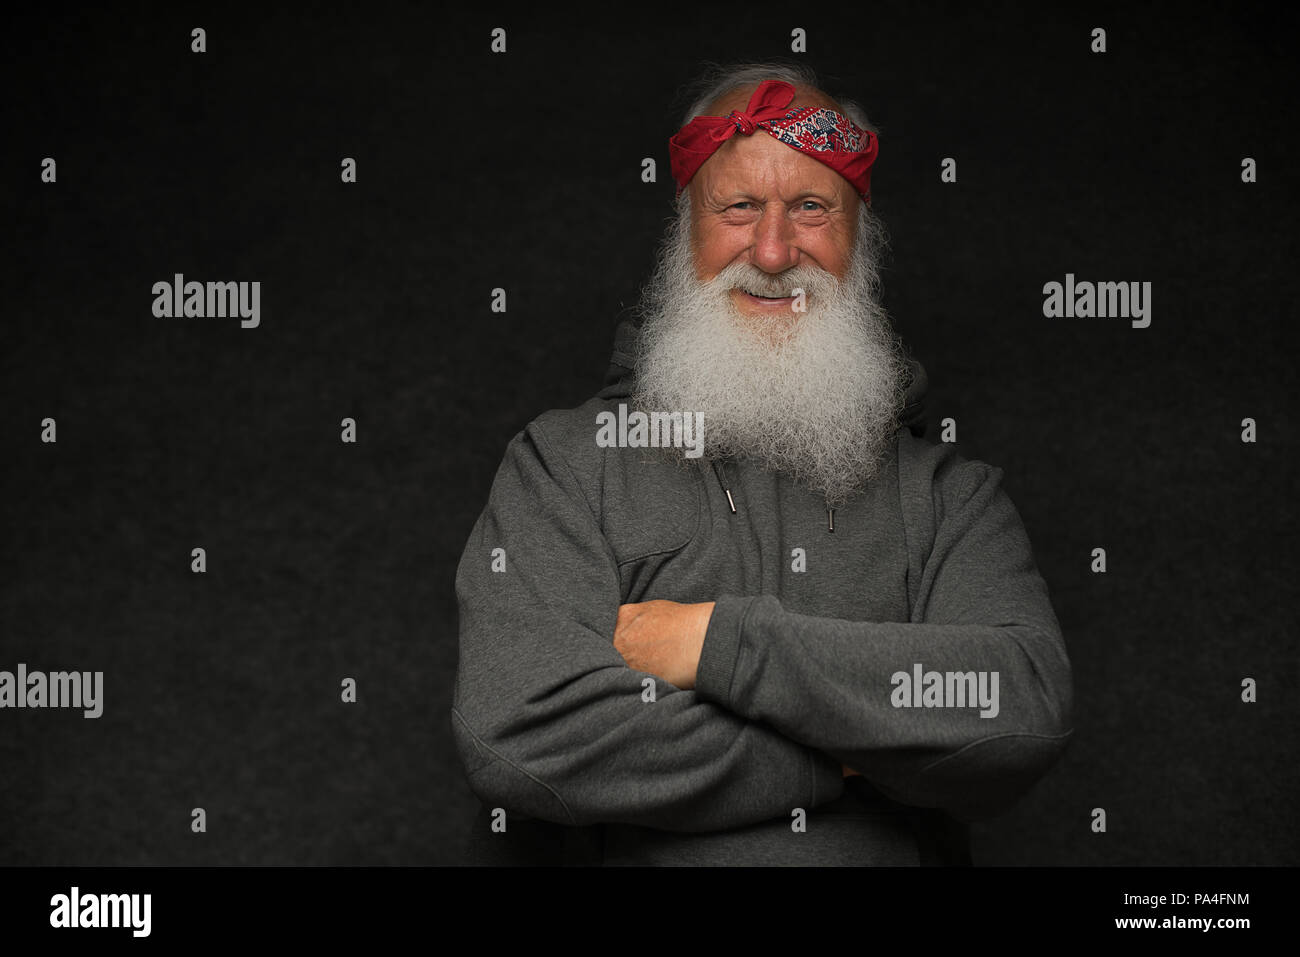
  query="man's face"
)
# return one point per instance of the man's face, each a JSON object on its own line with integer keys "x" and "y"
{"x": 759, "y": 202}
{"x": 814, "y": 394}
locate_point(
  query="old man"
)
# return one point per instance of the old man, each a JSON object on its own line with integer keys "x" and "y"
{"x": 788, "y": 630}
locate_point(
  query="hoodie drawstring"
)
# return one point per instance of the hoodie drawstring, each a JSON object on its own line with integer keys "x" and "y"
{"x": 718, "y": 472}
{"x": 722, "y": 483}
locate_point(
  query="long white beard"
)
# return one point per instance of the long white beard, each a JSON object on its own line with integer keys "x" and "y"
{"x": 816, "y": 395}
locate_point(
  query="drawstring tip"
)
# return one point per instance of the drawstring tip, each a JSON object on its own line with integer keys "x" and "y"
{"x": 830, "y": 520}
{"x": 717, "y": 473}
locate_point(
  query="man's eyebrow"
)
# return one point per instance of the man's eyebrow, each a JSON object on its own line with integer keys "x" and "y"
{"x": 825, "y": 197}
{"x": 725, "y": 199}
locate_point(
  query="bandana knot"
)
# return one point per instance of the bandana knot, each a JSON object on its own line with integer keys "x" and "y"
{"x": 744, "y": 122}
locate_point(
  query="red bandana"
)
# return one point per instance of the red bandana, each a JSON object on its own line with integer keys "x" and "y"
{"x": 825, "y": 135}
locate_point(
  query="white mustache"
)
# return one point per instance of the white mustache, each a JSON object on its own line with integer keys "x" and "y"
{"x": 814, "y": 282}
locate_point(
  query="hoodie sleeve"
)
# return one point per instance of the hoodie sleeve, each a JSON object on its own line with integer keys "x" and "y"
{"x": 978, "y": 605}
{"x": 550, "y": 722}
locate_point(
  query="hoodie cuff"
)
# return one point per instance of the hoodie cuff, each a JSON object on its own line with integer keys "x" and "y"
{"x": 717, "y": 667}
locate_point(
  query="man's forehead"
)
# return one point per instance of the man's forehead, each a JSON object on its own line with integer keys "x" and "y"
{"x": 761, "y": 163}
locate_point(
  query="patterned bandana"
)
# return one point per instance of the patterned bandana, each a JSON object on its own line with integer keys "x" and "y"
{"x": 825, "y": 135}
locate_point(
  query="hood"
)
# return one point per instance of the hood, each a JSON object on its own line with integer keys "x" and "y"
{"x": 621, "y": 374}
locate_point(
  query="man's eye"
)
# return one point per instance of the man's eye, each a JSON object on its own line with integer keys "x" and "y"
{"x": 812, "y": 206}
{"x": 742, "y": 203}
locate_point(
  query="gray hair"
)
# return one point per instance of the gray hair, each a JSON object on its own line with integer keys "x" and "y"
{"x": 720, "y": 80}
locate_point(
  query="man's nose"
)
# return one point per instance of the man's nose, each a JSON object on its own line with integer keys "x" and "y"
{"x": 774, "y": 242}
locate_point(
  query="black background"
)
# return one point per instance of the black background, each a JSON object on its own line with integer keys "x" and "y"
{"x": 522, "y": 171}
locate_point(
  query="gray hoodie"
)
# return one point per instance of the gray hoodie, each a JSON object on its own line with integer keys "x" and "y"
{"x": 907, "y": 635}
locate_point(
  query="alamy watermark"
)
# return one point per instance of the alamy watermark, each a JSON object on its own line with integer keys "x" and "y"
{"x": 208, "y": 300}
{"x": 76, "y": 909}
{"x": 58, "y": 689}
{"x": 946, "y": 689}
{"x": 1103, "y": 300}
{"x": 641, "y": 430}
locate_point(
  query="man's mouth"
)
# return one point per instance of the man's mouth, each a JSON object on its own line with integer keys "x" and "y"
{"x": 766, "y": 300}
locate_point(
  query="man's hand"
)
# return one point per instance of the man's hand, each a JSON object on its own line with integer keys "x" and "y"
{"x": 663, "y": 638}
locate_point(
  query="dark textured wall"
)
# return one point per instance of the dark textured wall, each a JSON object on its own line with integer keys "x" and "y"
{"x": 522, "y": 170}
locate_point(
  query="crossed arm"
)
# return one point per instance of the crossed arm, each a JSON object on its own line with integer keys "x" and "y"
{"x": 757, "y": 710}
{"x": 665, "y": 638}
